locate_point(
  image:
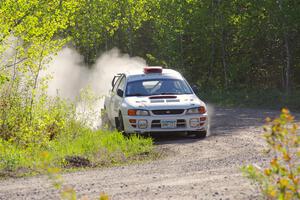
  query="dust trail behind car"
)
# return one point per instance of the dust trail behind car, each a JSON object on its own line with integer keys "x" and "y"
{"x": 71, "y": 75}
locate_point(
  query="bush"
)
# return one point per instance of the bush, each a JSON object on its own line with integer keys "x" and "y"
{"x": 281, "y": 178}
{"x": 58, "y": 127}
{"x": 98, "y": 148}
{"x": 10, "y": 156}
{"x": 27, "y": 121}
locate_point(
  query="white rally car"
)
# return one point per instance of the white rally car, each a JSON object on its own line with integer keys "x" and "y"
{"x": 155, "y": 100}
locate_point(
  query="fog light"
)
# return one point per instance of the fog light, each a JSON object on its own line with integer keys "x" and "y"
{"x": 202, "y": 118}
{"x": 194, "y": 122}
{"x": 133, "y": 121}
{"x": 142, "y": 124}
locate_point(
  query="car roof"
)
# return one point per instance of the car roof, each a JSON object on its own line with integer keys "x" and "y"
{"x": 135, "y": 75}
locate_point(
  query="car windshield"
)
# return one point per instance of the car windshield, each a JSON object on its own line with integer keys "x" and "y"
{"x": 157, "y": 87}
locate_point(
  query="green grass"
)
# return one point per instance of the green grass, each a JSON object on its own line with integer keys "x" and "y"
{"x": 101, "y": 148}
{"x": 253, "y": 98}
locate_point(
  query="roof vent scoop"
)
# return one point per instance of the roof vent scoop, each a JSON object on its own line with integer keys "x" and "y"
{"x": 149, "y": 70}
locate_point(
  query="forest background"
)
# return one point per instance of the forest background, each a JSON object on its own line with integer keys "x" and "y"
{"x": 238, "y": 52}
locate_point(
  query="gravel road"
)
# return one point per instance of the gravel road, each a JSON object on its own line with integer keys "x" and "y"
{"x": 195, "y": 169}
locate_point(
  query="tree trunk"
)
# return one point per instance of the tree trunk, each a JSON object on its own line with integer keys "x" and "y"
{"x": 181, "y": 51}
{"x": 224, "y": 63}
{"x": 212, "y": 46}
{"x": 35, "y": 84}
{"x": 287, "y": 70}
{"x": 223, "y": 44}
{"x": 287, "y": 51}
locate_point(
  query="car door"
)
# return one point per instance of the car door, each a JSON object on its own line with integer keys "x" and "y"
{"x": 112, "y": 93}
{"x": 116, "y": 99}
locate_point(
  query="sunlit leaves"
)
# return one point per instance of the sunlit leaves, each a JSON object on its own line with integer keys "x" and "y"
{"x": 280, "y": 180}
{"x": 36, "y": 23}
{"x": 30, "y": 32}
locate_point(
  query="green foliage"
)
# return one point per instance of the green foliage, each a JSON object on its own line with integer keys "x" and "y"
{"x": 280, "y": 179}
{"x": 216, "y": 44}
{"x": 99, "y": 20}
{"x": 3, "y": 79}
{"x": 10, "y": 156}
{"x": 31, "y": 122}
{"x": 60, "y": 128}
{"x": 99, "y": 147}
{"x": 34, "y": 124}
{"x": 29, "y": 34}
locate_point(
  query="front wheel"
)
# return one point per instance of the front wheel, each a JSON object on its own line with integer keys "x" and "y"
{"x": 120, "y": 124}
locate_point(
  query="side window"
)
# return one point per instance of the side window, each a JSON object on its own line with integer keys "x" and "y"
{"x": 119, "y": 84}
{"x": 114, "y": 89}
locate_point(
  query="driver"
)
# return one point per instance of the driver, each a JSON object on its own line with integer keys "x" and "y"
{"x": 137, "y": 88}
{"x": 167, "y": 86}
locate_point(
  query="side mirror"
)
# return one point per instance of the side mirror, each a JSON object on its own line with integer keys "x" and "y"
{"x": 120, "y": 93}
{"x": 195, "y": 89}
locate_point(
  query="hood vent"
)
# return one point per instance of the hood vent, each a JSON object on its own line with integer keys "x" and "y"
{"x": 163, "y": 97}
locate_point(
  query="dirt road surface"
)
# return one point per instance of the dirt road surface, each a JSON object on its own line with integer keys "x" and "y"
{"x": 195, "y": 169}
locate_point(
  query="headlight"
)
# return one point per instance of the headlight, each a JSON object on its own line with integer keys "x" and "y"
{"x": 133, "y": 112}
{"x": 197, "y": 110}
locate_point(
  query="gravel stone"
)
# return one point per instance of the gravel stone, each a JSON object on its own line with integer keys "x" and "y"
{"x": 193, "y": 169}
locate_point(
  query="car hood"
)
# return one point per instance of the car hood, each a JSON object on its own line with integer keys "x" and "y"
{"x": 164, "y": 102}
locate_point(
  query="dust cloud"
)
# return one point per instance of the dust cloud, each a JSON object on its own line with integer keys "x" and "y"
{"x": 70, "y": 76}
{"x": 210, "y": 113}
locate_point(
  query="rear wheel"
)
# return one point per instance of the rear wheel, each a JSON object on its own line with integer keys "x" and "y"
{"x": 120, "y": 125}
{"x": 200, "y": 134}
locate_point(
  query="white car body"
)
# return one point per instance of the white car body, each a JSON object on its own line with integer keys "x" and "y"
{"x": 166, "y": 112}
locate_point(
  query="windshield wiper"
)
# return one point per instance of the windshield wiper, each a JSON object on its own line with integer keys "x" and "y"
{"x": 165, "y": 93}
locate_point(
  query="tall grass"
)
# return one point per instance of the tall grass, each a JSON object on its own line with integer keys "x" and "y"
{"x": 53, "y": 126}
{"x": 99, "y": 147}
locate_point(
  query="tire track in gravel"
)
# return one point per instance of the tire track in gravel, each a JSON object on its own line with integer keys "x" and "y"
{"x": 196, "y": 169}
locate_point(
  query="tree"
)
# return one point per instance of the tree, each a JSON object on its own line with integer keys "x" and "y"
{"x": 103, "y": 24}
{"x": 30, "y": 33}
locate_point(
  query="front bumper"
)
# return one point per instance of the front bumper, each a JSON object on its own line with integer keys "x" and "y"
{"x": 184, "y": 123}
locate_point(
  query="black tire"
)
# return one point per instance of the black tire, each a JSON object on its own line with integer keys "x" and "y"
{"x": 200, "y": 134}
{"x": 120, "y": 124}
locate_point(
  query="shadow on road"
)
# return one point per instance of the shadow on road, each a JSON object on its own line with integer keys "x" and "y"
{"x": 172, "y": 138}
